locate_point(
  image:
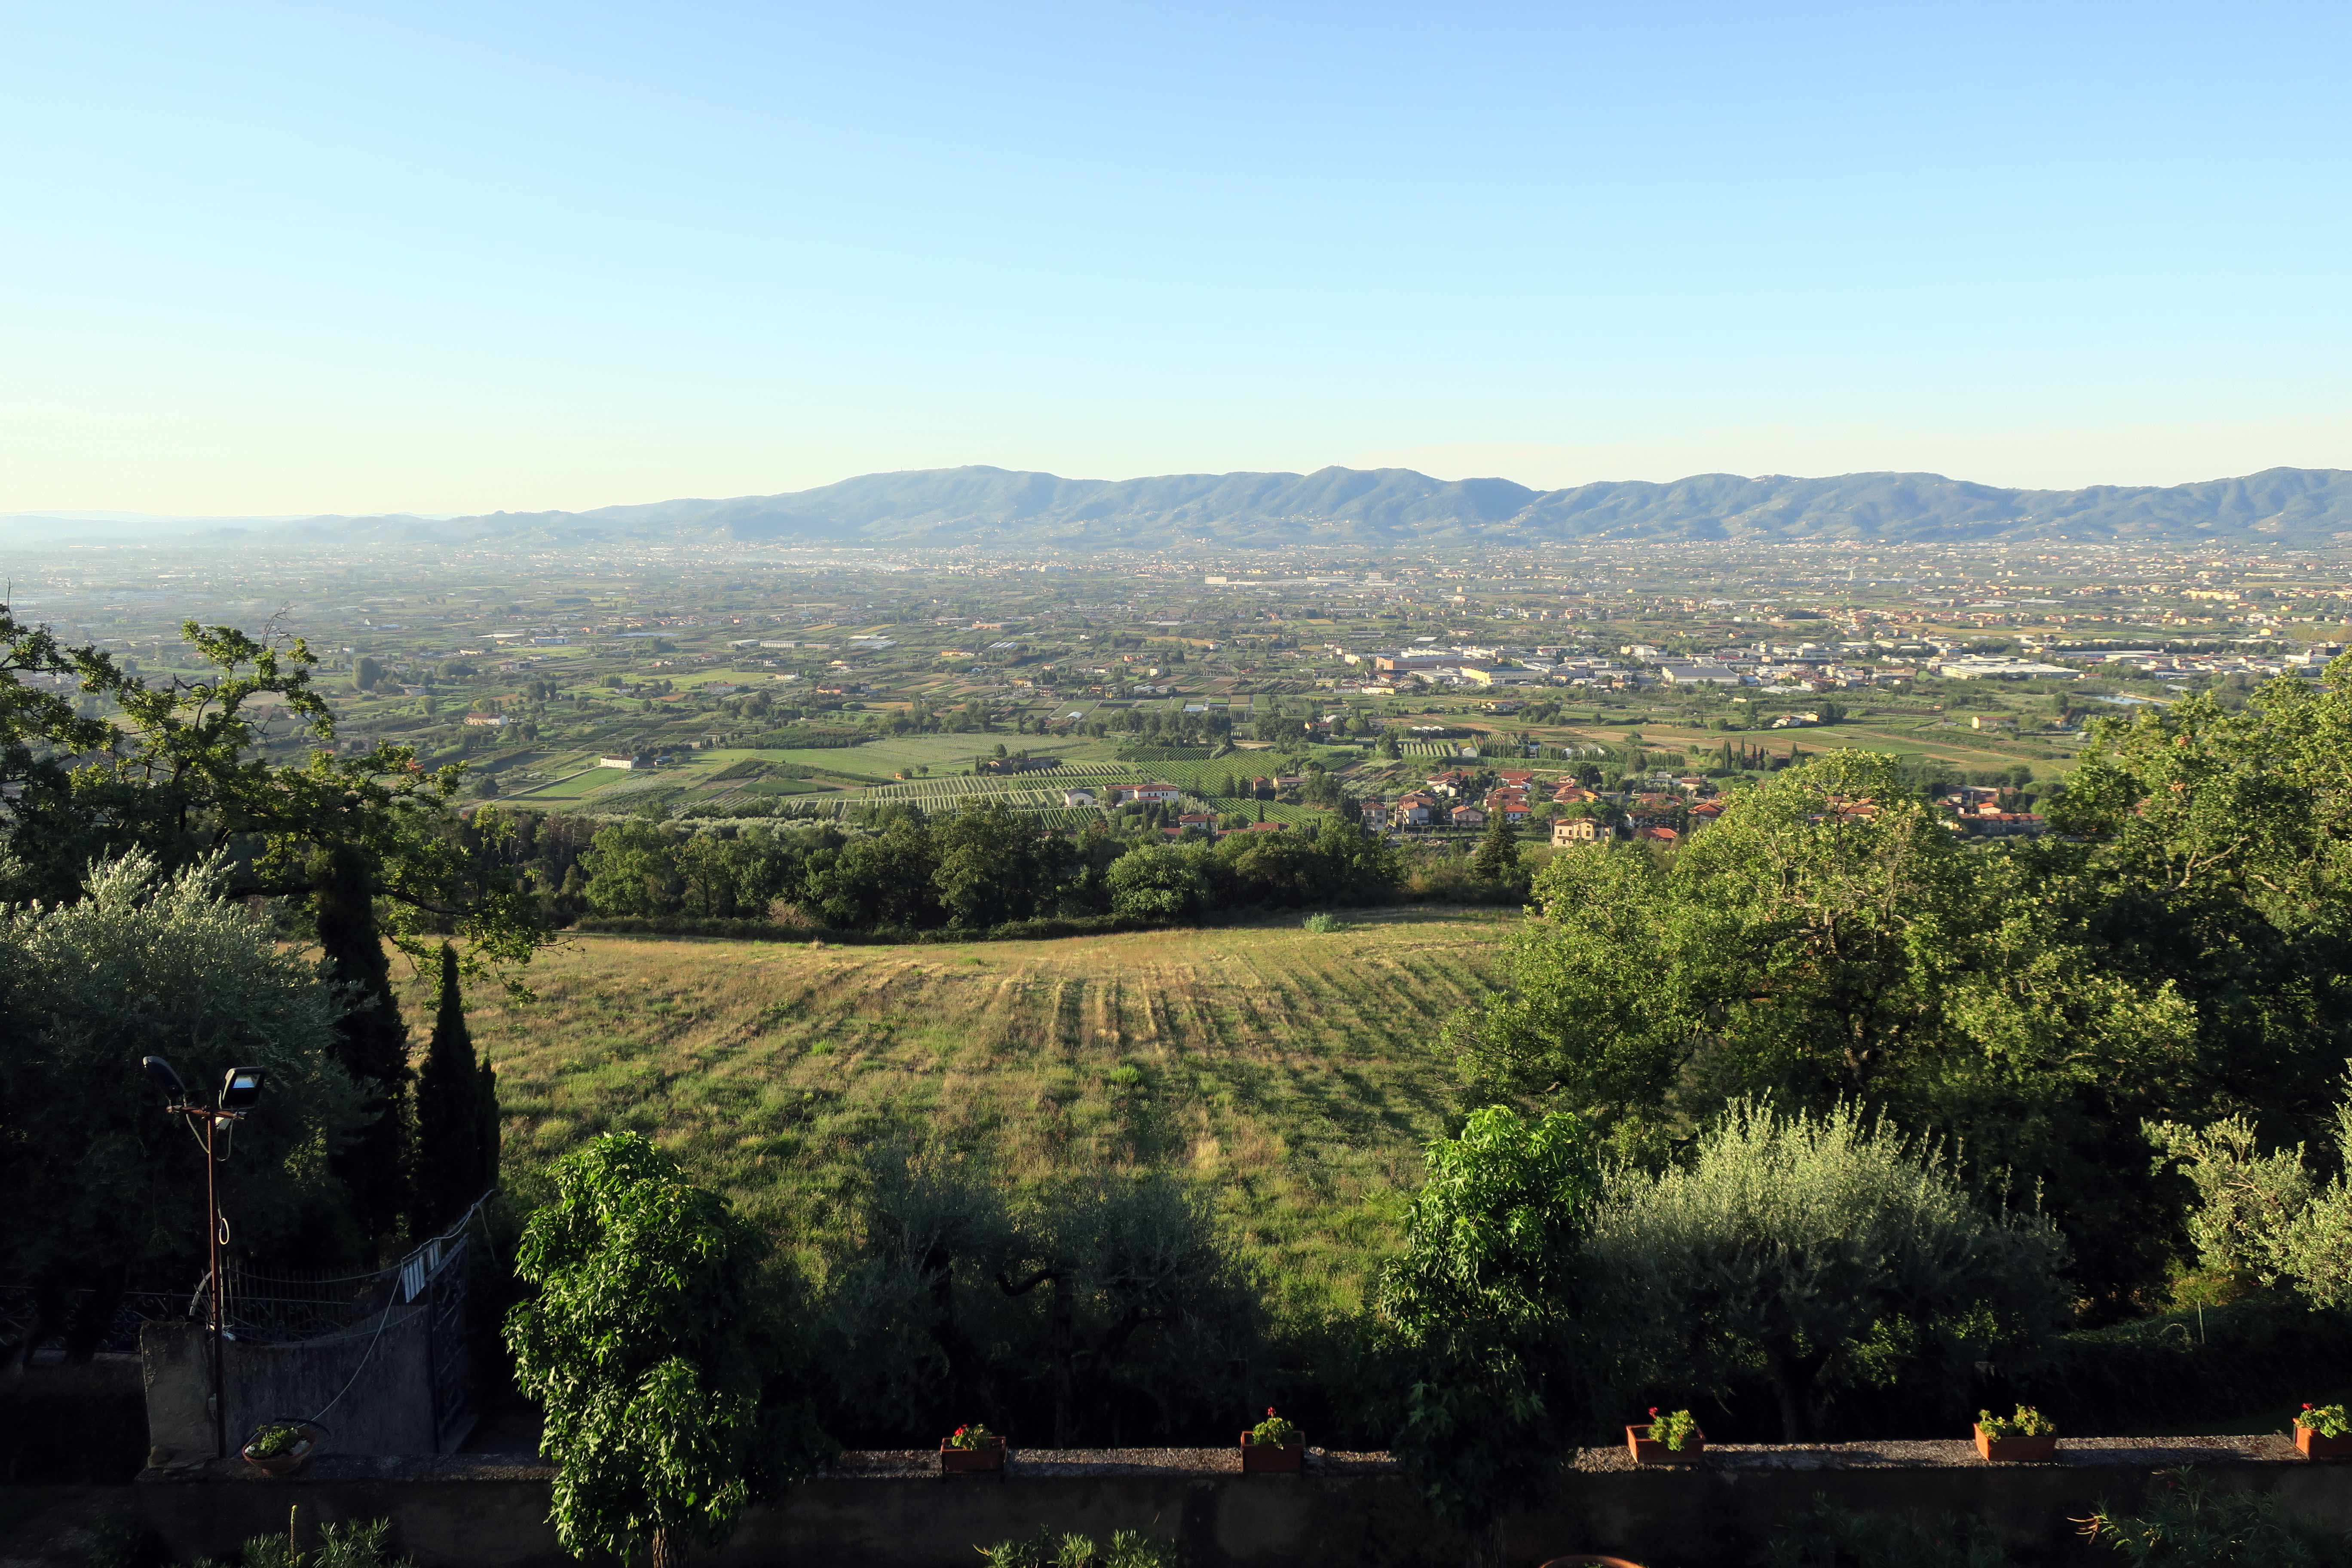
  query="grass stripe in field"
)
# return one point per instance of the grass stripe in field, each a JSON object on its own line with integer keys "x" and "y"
{"x": 1292, "y": 1072}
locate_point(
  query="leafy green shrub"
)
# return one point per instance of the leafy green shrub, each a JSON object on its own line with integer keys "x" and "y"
{"x": 1323, "y": 924}
{"x": 1483, "y": 1305}
{"x": 2186, "y": 1521}
{"x": 1128, "y": 1549}
{"x": 636, "y": 1346}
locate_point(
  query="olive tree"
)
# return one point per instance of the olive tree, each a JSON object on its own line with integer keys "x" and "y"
{"x": 1092, "y": 1306}
{"x": 2265, "y": 1218}
{"x": 1789, "y": 1239}
{"x": 101, "y": 1180}
{"x": 638, "y": 1344}
{"x": 1136, "y": 1276}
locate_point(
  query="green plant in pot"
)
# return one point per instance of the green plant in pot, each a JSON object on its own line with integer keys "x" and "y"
{"x": 1272, "y": 1447}
{"x": 1670, "y": 1437}
{"x": 972, "y": 1448}
{"x": 2027, "y": 1437}
{"x": 280, "y": 1447}
{"x": 2323, "y": 1432}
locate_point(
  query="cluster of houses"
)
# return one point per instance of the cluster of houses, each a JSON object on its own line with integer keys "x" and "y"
{"x": 1468, "y": 665}
{"x": 1665, "y": 808}
{"x": 1820, "y": 667}
{"x": 1978, "y": 811}
{"x": 2308, "y": 661}
{"x": 1660, "y": 807}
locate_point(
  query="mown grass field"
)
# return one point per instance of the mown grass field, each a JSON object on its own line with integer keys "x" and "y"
{"x": 1290, "y": 1072}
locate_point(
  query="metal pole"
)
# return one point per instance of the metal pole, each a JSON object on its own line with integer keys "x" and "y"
{"x": 212, "y": 1242}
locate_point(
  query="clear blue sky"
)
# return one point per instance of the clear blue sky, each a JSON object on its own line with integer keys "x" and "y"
{"x": 465, "y": 257}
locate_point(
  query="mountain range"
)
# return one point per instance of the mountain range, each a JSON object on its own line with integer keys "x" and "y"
{"x": 1391, "y": 508}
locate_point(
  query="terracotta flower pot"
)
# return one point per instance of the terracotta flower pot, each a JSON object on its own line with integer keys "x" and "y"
{"x": 986, "y": 1458}
{"x": 1273, "y": 1458}
{"x": 2312, "y": 1446}
{"x": 2040, "y": 1450}
{"x": 1649, "y": 1450}
{"x": 286, "y": 1462}
{"x": 1590, "y": 1560}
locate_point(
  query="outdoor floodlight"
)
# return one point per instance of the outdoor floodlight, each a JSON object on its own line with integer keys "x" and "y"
{"x": 241, "y": 1088}
{"x": 165, "y": 1079}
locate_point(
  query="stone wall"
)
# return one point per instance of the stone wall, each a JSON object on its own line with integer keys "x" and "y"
{"x": 388, "y": 1410}
{"x": 892, "y": 1510}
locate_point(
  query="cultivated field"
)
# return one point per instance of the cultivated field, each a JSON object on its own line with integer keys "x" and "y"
{"x": 1289, "y": 1071}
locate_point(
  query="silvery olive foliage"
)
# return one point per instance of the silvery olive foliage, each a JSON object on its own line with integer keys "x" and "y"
{"x": 2267, "y": 1217}
{"x": 1789, "y": 1239}
{"x": 148, "y": 963}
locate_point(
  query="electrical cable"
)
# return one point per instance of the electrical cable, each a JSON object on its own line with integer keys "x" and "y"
{"x": 392, "y": 1299}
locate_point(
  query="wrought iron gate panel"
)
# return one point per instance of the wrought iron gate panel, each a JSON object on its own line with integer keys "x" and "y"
{"x": 449, "y": 1350}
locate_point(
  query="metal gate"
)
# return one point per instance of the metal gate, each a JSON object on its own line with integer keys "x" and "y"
{"x": 448, "y": 1340}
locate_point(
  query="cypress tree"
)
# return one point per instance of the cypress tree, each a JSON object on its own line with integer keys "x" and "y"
{"x": 448, "y": 1117}
{"x": 1498, "y": 852}
{"x": 372, "y": 1043}
{"x": 486, "y": 1108}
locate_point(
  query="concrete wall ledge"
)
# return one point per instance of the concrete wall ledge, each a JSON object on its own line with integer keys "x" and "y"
{"x": 1081, "y": 1463}
{"x": 892, "y": 1510}
{"x": 2089, "y": 1453}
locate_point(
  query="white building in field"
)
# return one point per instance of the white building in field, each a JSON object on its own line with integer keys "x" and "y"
{"x": 1976, "y": 667}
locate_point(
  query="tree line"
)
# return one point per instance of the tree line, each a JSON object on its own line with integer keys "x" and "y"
{"x": 979, "y": 867}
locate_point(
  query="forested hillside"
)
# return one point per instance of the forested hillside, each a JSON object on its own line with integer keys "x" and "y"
{"x": 1348, "y": 507}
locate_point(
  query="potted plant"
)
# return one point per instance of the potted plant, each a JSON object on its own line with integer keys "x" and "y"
{"x": 2323, "y": 1432}
{"x": 281, "y": 1447}
{"x": 972, "y": 1450}
{"x": 1273, "y": 1448}
{"x": 2027, "y": 1438}
{"x": 1666, "y": 1439}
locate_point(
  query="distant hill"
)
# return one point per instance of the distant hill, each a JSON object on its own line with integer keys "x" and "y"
{"x": 1388, "y": 508}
